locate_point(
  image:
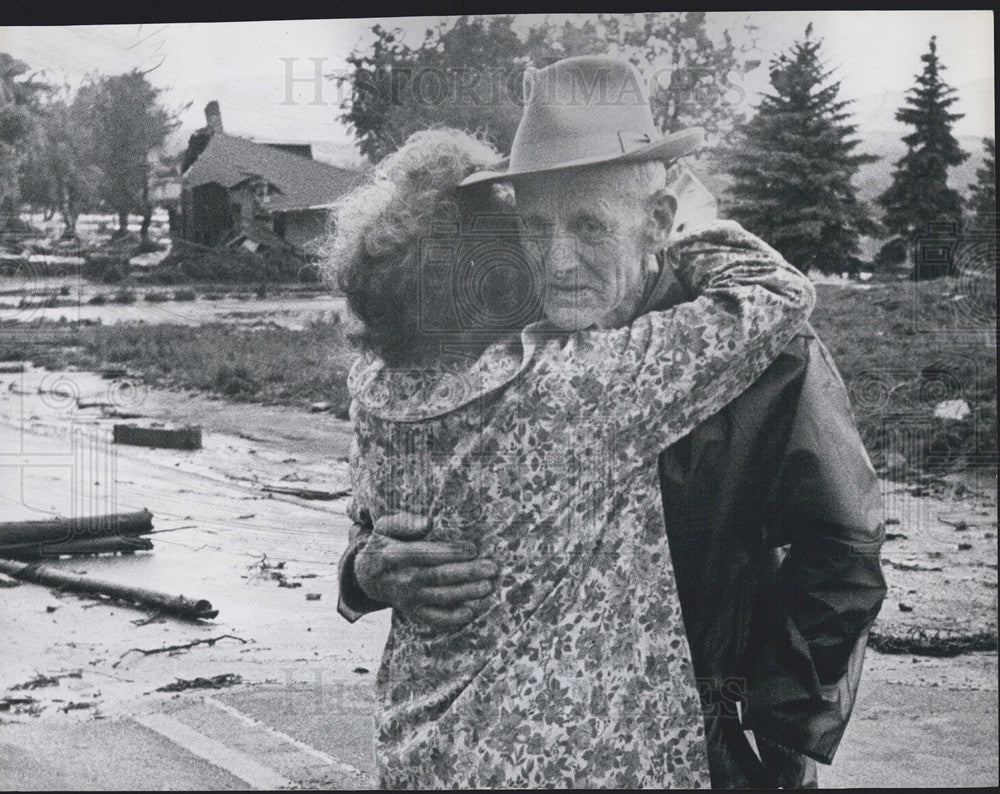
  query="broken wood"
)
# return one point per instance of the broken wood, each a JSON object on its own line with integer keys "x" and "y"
{"x": 108, "y": 545}
{"x": 93, "y": 403}
{"x": 182, "y": 647}
{"x": 176, "y": 605}
{"x": 215, "y": 682}
{"x": 63, "y": 530}
{"x": 307, "y": 493}
{"x": 165, "y": 438}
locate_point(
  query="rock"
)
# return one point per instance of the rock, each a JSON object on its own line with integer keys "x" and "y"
{"x": 964, "y": 546}
{"x": 892, "y": 519}
{"x": 313, "y": 596}
{"x": 319, "y": 407}
{"x": 954, "y": 410}
{"x": 905, "y": 607}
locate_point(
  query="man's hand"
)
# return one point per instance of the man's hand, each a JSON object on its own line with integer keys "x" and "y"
{"x": 440, "y": 584}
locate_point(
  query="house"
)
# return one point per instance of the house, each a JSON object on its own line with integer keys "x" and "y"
{"x": 243, "y": 192}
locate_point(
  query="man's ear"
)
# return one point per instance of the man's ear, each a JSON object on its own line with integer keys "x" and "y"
{"x": 662, "y": 209}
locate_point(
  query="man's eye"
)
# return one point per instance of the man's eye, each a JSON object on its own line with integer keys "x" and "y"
{"x": 591, "y": 227}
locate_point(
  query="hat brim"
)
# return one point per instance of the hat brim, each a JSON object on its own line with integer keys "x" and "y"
{"x": 670, "y": 148}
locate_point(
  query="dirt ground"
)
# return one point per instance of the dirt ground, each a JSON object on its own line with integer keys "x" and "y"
{"x": 920, "y": 721}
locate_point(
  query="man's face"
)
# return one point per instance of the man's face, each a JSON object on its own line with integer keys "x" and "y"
{"x": 588, "y": 226}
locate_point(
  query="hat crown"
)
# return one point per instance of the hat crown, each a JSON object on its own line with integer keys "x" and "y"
{"x": 580, "y": 108}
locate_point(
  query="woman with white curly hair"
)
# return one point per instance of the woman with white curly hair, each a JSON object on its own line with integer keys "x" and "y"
{"x": 540, "y": 447}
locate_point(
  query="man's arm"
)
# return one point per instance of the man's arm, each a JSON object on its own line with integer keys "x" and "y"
{"x": 389, "y": 564}
{"x": 825, "y": 507}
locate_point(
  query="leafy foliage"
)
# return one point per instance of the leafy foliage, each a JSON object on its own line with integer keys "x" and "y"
{"x": 792, "y": 166}
{"x": 21, "y": 95}
{"x": 469, "y": 74}
{"x": 56, "y": 173}
{"x": 125, "y": 122}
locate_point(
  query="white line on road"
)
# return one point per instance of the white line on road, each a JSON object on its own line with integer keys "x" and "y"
{"x": 317, "y": 754}
{"x": 236, "y": 763}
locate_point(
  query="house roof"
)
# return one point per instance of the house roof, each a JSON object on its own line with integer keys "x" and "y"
{"x": 303, "y": 183}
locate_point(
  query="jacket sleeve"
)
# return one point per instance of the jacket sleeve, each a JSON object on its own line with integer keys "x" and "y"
{"x": 826, "y": 531}
{"x": 352, "y": 602}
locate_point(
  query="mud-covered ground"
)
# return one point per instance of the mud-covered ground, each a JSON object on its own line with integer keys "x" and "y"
{"x": 920, "y": 720}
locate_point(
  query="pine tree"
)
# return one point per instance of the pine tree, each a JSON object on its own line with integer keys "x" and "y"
{"x": 919, "y": 202}
{"x": 792, "y": 165}
{"x": 982, "y": 202}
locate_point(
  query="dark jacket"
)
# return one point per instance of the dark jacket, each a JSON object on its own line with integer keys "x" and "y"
{"x": 774, "y": 519}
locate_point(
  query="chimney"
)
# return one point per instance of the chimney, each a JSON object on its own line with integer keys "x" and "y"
{"x": 213, "y": 116}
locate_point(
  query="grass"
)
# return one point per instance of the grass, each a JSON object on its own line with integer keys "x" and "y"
{"x": 272, "y": 365}
{"x": 904, "y": 347}
{"x": 901, "y": 347}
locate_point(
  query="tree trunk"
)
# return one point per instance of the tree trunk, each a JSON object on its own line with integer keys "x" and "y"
{"x": 122, "y": 224}
{"x": 147, "y": 218}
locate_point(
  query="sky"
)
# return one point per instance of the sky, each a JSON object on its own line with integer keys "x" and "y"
{"x": 241, "y": 64}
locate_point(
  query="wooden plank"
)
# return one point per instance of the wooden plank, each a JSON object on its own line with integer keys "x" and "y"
{"x": 162, "y": 437}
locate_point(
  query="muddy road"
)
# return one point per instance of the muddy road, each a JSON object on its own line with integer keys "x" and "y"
{"x": 280, "y": 651}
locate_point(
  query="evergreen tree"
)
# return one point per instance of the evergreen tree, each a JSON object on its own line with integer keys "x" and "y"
{"x": 792, "y": 165}
{"x": 982, "y": 202}
{"x": 919, "y": 201}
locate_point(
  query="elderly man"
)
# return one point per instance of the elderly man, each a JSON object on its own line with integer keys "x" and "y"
{"x": 772, "y": 510}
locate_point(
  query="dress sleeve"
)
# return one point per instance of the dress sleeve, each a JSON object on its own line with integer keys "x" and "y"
{"x": 657, "y": 379}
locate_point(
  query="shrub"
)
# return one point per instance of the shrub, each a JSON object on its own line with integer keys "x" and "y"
{"x": 235, "y": 382}
{"x": 892, "y": 254}
{"x": 124, "y": 296}
{"x": 184, "y": 295}
{"x": 156, "y": 297}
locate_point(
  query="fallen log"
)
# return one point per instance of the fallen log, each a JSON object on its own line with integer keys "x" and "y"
{"x": 168, "y": 604}
{"x": 93, "y": 403}
{"x": 61, "y": 530}
{"x": 165, "y": 438}
{"x": 107, "y": 545}
{"x": 306, "y": 493}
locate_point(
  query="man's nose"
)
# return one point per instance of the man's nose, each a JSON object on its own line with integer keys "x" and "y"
{"x": 562, "y": 260}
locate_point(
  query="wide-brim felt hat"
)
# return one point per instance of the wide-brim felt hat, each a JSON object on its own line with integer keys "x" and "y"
{"x": 584, "y": 111}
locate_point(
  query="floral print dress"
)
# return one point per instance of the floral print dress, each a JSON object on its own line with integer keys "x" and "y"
{"x": 544, "y": 454}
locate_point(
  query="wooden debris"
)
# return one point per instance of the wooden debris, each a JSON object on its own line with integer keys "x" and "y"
{"x": 307, "y": 493}
{"x": 80, "y": 403}
{"x": 63, "y": 530}
{"x": 109, "y": 545}
{"x": 939, "y": 643}
{"x": 165, "y": 438}
{"x": 183, "y": 647}
{"x": 178, "y": 606}
{"x": 215, "y": 682}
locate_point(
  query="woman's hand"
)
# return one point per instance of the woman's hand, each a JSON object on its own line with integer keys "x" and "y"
{"x": 444, "y": 585}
